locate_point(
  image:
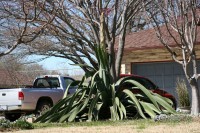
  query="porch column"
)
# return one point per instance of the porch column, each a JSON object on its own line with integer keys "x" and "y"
{"x": 126, "y": 68}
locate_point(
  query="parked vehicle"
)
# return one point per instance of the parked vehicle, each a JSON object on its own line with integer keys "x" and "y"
{"x": 149, "y": 85}
{"x": 45, "y": 92}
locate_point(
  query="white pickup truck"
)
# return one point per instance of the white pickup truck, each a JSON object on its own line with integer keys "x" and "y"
{"x": 45, "y": 92}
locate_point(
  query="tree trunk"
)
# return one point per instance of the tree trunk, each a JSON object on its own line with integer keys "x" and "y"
{"x": 111, "y": 54}
{"x": 195, "y": 98}
{"x": 120, "y": 54}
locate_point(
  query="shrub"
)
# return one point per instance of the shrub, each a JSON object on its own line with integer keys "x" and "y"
{"x": 22, "y": 124}
{"x": 183, "y": 95}
{"x": 6, "y": 125}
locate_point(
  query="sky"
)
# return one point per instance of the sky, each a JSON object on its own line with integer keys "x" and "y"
{"x": 51, "y": 63}
{"x": 54, "y": 63}
{"x": 59, "y": 64}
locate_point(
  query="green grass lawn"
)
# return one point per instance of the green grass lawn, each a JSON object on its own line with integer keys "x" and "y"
{"x": 139, "y": 123}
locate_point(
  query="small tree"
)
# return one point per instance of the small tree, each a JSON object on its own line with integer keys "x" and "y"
{"x": 17, "y": 68}
{"x": 180, "y": 21}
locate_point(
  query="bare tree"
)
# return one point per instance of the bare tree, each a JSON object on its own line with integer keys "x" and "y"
{"x": 10, "y": 64}
{"x": 74, "y": 32}
{"x": 178, "y": 33}
{"x": 20, "y": 72}
{"x": 16, "y": 24}
{"x": 18, "y": 69}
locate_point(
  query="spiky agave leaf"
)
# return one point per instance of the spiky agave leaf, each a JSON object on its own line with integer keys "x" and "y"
{"x": 147, "y": 108}
{"x": 150, "y": 102}
{"x": 135, "y": 101}
{"x": 164, "y": 102}
{"x": 92, "y": 107}
{"x": 147, "y": 93}
{"x": 73, "y": 84}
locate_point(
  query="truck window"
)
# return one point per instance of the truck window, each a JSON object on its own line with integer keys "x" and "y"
{"x": 68, "y": 81}
{"x": 49, "y": 82}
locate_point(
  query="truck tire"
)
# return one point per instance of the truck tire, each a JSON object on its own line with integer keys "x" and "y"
{"x": 12, "y": 116}
{"x": 42, "y": 107}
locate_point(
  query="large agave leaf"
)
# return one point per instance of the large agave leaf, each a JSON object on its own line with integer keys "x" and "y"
{"x": 70, "y": 115}
{"x": 75, "y": 112}
{"x": 51, "y": 116}
{"x": 83, "y": 95}
{"x": 103, "y": 66}
{"x": 150, "y": 105}
{"x": 102, "y": 57}
{"x": 162, "y": 102}
{"x": 93, "y": 80}
{"x": 148, "y": 109}
{"x": 73, "y": 84}
{"x": 104, "y": 97}
{"x": 121, "y": 108}
{"x": 71, "y": 104}
{"x": 53, "y": 110}
{"x": 143, "y": 89}
{"x": 81, "y": 105}
{"x": 64, "y": 115}
{"x": 135, "y": 100}
{"x": 114, "y": 114}
{"x": 73, "y": 100}
{"x": 106, "y": 78}
{"x": 92, "y": 106}
{"x": 113, "y": 105}
{"x": 98, "y": 107}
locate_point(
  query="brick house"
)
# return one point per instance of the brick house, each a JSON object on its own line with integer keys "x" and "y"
{"x": 145, "y": 55}
{"x": 10, "y": 79}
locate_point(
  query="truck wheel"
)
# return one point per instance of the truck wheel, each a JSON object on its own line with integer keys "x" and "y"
{"x": 42, "y": 107}
{"x": 12, "y": 116}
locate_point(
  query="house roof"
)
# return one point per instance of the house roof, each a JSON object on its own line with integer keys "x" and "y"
{"x": 142, "y": 40}
{"x": 147, "y": 39}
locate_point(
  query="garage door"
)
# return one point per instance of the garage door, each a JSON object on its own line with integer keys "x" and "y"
{"x": 163, "y": 74}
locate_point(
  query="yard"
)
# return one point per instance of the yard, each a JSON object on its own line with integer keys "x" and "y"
{"x": 172, "y": 125}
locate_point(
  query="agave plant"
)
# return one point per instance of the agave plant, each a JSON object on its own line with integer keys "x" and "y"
{"x": 102, "y": 98}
